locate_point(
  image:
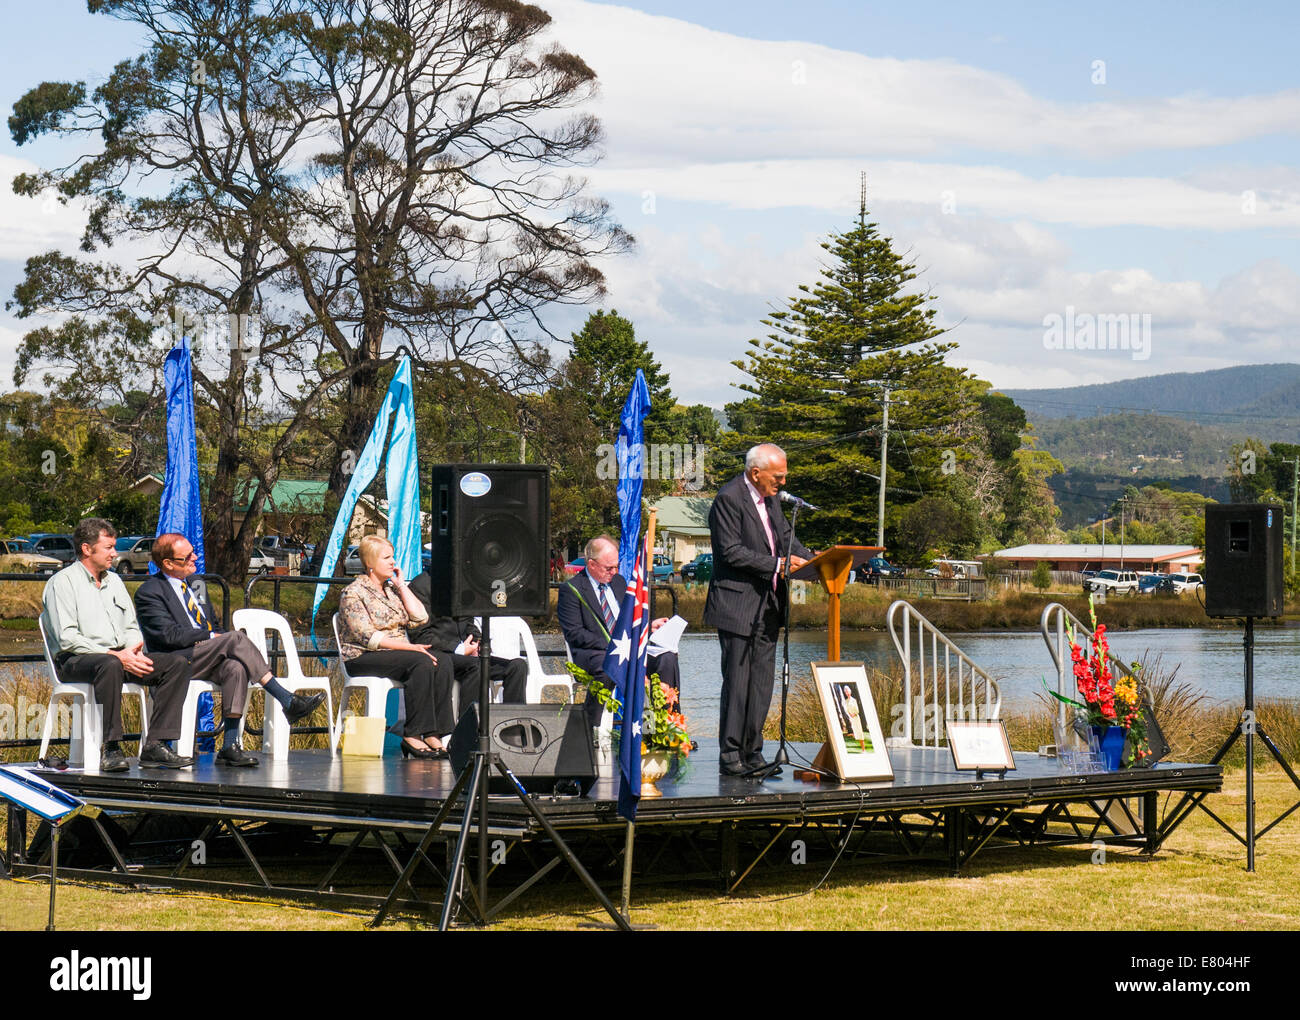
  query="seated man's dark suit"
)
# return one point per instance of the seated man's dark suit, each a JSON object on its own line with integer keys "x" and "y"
{"x": 578, "y": 609}
{"x": 747, "y": 611}
{"x": 228, "y": 659}
{"x": 443, "y": 635}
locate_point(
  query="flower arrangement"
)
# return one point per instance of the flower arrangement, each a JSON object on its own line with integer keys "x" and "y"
{"x": 663, "y": 726}
{"x": 1107, "y": 701}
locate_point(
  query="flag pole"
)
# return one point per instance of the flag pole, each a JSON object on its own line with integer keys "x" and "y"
{"x": 629, "y": 837}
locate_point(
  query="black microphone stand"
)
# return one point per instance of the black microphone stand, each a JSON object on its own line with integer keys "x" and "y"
{"x": 782, "y": 757}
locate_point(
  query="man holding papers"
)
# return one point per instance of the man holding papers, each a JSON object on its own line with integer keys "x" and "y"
{"x": 588, "y": 606}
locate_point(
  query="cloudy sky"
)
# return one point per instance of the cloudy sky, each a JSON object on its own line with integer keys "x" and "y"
{"x": 1104, "y": 159}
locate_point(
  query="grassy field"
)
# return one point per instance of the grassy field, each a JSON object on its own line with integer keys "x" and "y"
{"x": 1197, "y": 881}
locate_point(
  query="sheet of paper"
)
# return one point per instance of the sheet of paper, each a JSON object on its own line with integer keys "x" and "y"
{"x": 667, "y": 637}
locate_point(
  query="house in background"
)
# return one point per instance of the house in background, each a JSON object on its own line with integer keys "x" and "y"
{"x": 682, "y": 527}
{"x": 1162, "y": 559}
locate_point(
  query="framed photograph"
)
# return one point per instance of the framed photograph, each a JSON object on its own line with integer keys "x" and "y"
{"x": 979, "y": 744}
{"x": 855, "y": 738}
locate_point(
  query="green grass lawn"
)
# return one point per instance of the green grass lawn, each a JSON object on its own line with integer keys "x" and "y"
{"x": 1197, "y": 881}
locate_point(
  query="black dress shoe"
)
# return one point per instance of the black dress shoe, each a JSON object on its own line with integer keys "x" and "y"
{"x": 730, "y": 768}
{"x": 300, "y": 706}
{"x": 159, "y": 756}
{"x": 113, "y": 761}
{"x": 235, "y": 757}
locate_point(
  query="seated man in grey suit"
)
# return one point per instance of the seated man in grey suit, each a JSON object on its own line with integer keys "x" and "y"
{"x": 588, "y": 605}
{"x": 176, "y": 618}
{"x": 91, "y": 626}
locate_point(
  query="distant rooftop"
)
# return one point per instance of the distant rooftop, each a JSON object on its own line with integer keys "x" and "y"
{"x": 1096, "y": 551}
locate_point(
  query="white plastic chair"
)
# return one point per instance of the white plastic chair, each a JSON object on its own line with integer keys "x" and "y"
{"x": 275, "y": 727}
{"x": 374, "y": 689}
{"x": 88, "y": 727}
{"x": 190, "y": 715}
{"x": 511, "y": 637}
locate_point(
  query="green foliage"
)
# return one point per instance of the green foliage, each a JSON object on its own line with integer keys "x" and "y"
{"x": 1041, "y": 578}
{"x": 817, "y": 385}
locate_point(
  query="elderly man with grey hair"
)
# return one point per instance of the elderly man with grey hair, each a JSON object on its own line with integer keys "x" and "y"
{"x": 746, "y": 601}
{"x": 588, "y": 605}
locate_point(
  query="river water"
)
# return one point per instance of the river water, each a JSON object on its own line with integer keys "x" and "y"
{"x": 1210, "y": 660}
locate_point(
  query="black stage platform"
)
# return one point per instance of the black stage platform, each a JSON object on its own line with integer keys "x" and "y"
{"x": 321, "y": 827}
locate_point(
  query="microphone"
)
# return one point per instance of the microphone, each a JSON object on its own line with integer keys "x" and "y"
{"x": 802, "y": 504}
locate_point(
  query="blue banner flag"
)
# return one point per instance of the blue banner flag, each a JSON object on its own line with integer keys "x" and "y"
{"x": 363, "y": 473}
{"x": 625, "y": 665}
{"x": 631, "y": 453}
{"x": 181, "y": 508}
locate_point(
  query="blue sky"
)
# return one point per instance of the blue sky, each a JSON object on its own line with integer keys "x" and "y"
{"x": 1022, "y": 175}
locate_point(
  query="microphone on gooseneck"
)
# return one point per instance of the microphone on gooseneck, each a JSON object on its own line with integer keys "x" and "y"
{"x": 802, "y": 504}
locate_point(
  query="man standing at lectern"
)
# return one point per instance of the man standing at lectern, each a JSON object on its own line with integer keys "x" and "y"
{"x": 746, "y": 601}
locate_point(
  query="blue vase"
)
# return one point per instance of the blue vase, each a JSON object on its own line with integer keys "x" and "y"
{"x": 1110, "y": 740}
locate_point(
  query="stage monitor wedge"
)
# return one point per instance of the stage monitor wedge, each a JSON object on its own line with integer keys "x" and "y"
{"x": 491, "y": 540}
{"x": 547, "y": 747}
{"x": 1243, "y": 559}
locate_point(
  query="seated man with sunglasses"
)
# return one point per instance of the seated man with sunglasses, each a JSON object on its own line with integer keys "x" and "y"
{"x": 176, "y": 618}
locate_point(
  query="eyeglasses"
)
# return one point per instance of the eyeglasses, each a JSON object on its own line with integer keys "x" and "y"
{"x": 191, "y": 558}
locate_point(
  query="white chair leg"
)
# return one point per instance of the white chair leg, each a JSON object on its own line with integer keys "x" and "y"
{"x": 51, "y": 713}
{"x": 92, "y": 735}
{"x": 189, "y": 720}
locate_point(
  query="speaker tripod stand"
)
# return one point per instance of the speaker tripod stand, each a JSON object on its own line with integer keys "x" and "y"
{"x": 1249, "y": 728}
{"x": 473, "y": 783}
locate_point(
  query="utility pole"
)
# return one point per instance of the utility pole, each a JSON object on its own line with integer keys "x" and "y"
{"x": 884, "y": 453}
{"x": 1121, "y": 532}
{"x": 1295, "y": 488}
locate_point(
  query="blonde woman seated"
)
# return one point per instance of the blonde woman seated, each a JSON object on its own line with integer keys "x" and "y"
{"x": 374, "y": 612}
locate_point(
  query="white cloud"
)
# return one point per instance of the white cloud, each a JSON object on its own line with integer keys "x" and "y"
{"x": 687, "y": 94}
{"x": 993, "y": 191}
{"x": 33, "y": 225}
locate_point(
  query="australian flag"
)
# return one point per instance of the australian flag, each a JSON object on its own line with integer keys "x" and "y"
{"x": 625, "y": 665}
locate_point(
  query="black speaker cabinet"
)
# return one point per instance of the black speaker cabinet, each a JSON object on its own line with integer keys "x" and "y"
{"x": 1243, "y": 559}
{"x": 491, "y": 536}
{"x": 547, "y": 747}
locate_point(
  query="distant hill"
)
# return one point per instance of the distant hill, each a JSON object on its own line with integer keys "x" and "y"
{"x": 1246, "y": 400}
{"x": 1139, "y": 447}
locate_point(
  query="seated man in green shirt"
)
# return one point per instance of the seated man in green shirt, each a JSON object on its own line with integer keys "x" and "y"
{"x": 91, "y": 625}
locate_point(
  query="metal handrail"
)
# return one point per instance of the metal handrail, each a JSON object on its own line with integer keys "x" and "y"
{"x": 1052, "y": 626}
{"x": 973, "y": 684}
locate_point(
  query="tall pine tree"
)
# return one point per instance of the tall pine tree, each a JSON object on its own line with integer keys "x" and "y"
{"x": 818, "y": 382}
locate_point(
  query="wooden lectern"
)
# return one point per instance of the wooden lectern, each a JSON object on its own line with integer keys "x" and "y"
{"x": 832, "y": 569}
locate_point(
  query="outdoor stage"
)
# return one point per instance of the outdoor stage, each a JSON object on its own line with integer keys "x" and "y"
{"x": 340, "y": 830}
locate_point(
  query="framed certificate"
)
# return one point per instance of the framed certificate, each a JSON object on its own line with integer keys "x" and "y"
{"x": 856, "y": 741}
{"x": 980, "y": 745}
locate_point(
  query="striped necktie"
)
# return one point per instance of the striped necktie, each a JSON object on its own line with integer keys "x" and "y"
{"x": 196, "y": 613}
{"x": 604, "y": 609}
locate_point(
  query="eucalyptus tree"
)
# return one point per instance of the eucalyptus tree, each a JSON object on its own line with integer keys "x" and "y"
{"x": 329, "y": 179}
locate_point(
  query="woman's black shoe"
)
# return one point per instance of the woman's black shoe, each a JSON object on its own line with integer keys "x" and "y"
{"x": 421, "y": 752}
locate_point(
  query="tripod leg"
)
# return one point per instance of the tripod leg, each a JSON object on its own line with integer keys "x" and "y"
{"x": 476, "y": 776}
{"x": 563, "y": 847}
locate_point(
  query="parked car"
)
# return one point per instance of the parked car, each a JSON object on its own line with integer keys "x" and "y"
{"x": 699, "y": 569}
{"x": 876, "y": 568}
{"x": 261, "y": 561}
{"x": 16, "y": 558}
{"x": 575, "y": 566}
{"x": 59, "y": 546}
{"x": 133, "y": 554}
{"x": 1147, "y": 583}
{"x": 1114, "y": 582}
{"x": 352, "y": 561}
{"x": 663, "y": 568}
{"x": 1176, "y": 584}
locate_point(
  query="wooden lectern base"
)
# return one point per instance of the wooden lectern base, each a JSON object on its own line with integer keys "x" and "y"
{"x": 825, "y": 761}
